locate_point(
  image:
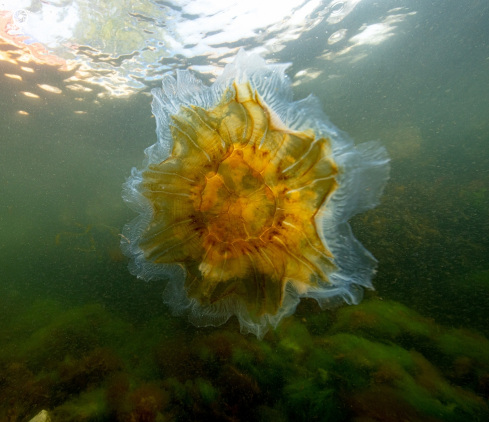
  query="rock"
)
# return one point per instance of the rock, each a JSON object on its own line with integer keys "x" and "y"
{"x": 42, "y": 416}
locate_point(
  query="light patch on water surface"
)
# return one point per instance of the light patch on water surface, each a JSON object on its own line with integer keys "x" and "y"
{"x": 79, "y": 88}
{"x": 30, "y": 94}
{"x": 18, "y": 77}
{"x": 119, "y": 48}
{"x": 368, "y": 35}
{"x": 337, "y": 36}
{"x": 306, "y": 75}
{"x": 341, "y": 9}
{"x": 49, "y": 88}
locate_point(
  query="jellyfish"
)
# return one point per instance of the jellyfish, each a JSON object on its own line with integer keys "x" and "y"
{"x": 244, "y": 200}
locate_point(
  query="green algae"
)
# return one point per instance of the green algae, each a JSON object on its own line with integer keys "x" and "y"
{"x": 365, "y": 364}
{"x": 312, "y": 398}
{"x": 461, "y": 342}
{"x": 88, "y": 406}
{"x": 52, "y": 332}
{"x": 477, "y": 281}
{"x": 379, "y": 361}
{"x": 384, "y": 319}
{"x": 208, "y": 393}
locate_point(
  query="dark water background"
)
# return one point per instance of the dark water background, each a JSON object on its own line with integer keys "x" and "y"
{"x": 423, "y": 93}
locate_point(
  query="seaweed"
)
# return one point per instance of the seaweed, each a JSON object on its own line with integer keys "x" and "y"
{"x": 379, "y": 361}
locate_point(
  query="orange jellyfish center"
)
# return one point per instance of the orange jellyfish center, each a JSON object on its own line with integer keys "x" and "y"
{"x": 235, "y": 204}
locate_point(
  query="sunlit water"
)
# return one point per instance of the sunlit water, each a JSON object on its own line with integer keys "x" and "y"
{"x": 83, "y": 339}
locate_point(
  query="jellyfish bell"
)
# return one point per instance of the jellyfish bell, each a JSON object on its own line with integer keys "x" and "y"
{"x": 244, "y": 200}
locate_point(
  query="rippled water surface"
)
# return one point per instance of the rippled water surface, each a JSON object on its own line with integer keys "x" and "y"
{"x": 84, "y": 340}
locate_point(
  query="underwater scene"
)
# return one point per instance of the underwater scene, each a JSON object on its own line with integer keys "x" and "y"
{"x": 244, "y": 211}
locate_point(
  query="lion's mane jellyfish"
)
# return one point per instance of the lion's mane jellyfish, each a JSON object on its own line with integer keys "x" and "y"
{"x": 244, "y": 200}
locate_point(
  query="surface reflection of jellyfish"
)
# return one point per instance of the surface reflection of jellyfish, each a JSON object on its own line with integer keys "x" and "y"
{"x": 244, "y": 200}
